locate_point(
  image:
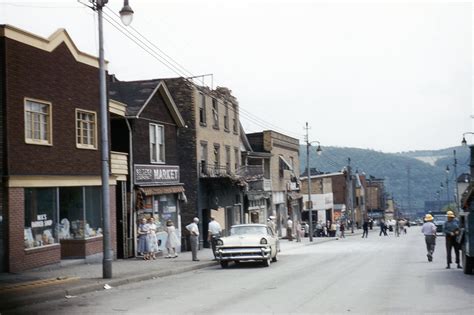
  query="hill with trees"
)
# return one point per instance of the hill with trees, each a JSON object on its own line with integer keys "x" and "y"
{"x": 422, "y": 171}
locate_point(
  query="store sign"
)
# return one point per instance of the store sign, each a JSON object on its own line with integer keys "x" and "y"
{"x": 42, "y": 221}
{"x": 156, "y": 174}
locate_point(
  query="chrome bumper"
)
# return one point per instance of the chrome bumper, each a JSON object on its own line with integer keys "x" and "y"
{"x": 245, "y": 253}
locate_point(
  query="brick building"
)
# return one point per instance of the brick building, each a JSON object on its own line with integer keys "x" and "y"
{"x": 210, "y": 157}
{"x": 147, "y": 133}
{"x": 284, "y": 165}
{"x": 50, "y": 201}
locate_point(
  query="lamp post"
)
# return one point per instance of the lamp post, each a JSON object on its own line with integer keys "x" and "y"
{"x": 126, "y": 14}
{"x": 308, "y": 173}
{"x": 447, "y": 183}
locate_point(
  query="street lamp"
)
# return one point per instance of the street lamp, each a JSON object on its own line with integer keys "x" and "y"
{"x": 447, "y": 182}
{"x": 126, "y": 15}
{"x": 308, "y": 173}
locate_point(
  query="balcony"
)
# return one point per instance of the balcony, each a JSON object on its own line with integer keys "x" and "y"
{"x": 213, "y": 171}
{"x": 119, "y": 165}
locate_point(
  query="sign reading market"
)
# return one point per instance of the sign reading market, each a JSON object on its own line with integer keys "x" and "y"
{"x": 156, "y": 174}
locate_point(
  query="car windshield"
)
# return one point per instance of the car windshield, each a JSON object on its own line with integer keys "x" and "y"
{"x": 439, "y": 217}
{"x": 241, "y": 230}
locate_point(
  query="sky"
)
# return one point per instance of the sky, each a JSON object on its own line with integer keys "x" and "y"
{"x": 387, "y": 76}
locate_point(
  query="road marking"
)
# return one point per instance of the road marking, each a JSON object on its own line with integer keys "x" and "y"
{"x": 36, "y": 284}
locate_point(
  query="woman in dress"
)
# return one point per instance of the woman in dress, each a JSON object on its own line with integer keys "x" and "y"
{"x": 172, "y": 241}
{"x": 152, "y": 241}
{"x": 142, "y": 244}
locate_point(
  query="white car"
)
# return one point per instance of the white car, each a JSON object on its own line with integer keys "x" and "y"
{"x": 248, "y": 242}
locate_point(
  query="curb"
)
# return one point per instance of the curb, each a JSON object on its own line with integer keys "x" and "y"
{"x": 10, "y": 303}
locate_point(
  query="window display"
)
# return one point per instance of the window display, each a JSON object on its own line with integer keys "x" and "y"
{"x": 93, "y": 206}
{"x": 40, "y": 217}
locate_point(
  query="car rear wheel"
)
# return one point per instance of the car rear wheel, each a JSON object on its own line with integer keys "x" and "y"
{"x": 224, "y": 264}
{"x": 467, "y": 263}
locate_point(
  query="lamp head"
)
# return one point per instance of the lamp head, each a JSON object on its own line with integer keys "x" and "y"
{"x": 319, "y": 150}
{"x": 126, "y": 14}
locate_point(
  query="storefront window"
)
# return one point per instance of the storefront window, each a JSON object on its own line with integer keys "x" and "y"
{"x": 165, "y": 206}
{"x": 71, "y": 212}
{"x": 40, "y": 217}
{"x": 93, "y": 207}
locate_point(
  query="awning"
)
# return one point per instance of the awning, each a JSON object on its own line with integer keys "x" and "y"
{"x": 162, "y": 190}
{"x": 284, "y": 163}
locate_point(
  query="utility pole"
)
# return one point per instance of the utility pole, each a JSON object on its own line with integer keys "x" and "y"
{"x": 308, "y": 173}
{"x": 456, "y": 189}
{"x": 409, "y": 188}
{"x": 349, "y": 193}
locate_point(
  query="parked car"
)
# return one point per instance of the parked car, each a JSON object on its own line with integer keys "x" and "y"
{"x": 248, "y": 242}
{"x": 438, "y": 220}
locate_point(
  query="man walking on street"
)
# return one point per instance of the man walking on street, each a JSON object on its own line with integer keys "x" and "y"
{"x": 365, "y": 227}
{"x": 214, "y": 233}
{"x": 194, "y": 237}
{"x": 451, "y": 231}
{"x": 429, "y": 230}
{"x": 289, "y": 229}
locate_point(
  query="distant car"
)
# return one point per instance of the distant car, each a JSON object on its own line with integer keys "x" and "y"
{"x": 248, "y": 242}
{"x": 438, "y": 220}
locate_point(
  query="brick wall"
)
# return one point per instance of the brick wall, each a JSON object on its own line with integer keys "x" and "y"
{"x": 182, "y": 93}
{"x": 19, "y": 258}
{"x": 58, "y": 78}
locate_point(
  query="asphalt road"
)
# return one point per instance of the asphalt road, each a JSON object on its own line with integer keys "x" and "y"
{"x": 375, "y": 275}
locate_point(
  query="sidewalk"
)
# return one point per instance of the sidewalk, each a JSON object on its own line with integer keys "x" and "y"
{"x": 75, "y": 277}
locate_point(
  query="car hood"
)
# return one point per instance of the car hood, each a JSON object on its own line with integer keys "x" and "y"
{"x": 242, "y": 240}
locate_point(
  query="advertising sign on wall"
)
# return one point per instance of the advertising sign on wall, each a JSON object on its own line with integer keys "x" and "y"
{"x": 156, "y": 174}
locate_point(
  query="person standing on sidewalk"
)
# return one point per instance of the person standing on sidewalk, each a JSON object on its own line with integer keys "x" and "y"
{"x": 214, "y": 233}
{"x": 172, "y": 240}
{"x": 429, "y": 230}
{"x": 151, "y": 239}
{"x": 289, "y": 229}
{"x": 365, "y": 227}
{"x": 342, "y": 229}
{"x": 451, "y": 231}
{"x": 194, "y": 237}
{"x": 142, "y": 244}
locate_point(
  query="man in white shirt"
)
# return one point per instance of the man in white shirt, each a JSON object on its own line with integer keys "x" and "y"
{"x": 289, "y": 229}
{"x": 429, "y": 230}
{"x": 214, "y": 233}
{"x": 194, "y": 238}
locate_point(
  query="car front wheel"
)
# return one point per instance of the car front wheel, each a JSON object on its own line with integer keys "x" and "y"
{"x": 275, "y": 259}
{"x": 224, "y": 264}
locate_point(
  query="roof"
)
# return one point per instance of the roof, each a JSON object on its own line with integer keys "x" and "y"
{"x": 137, "y": 95}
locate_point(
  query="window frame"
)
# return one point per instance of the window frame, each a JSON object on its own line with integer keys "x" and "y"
{"x": 226, "y": 117}
{"x": 202, "y": 110}
{"x": 49, "y": 122}
{"x": 160, "y": 148}
{"x": 81, "y": 145}
{"x": 215, "y": 113}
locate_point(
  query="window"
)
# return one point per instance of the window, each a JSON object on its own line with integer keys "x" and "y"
{"x": 216, "y": 156}
{"x": 215, "y": 113}
{"x": 204, "y": 157}
{"x": 235, "y": 120}
{"x": 202, "y": 110}
{"x": 37, "y": 122}
{"x": 86, "y": 129}
{"x": 237, "y": 159}
{"x": 226, "y": 117}
{"x": 227, "y": 159}
{"x": 157, "y": 144}
{"x": 41, "y": 217}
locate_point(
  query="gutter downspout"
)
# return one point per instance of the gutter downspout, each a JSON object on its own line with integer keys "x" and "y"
{"x": 131, "y": 184}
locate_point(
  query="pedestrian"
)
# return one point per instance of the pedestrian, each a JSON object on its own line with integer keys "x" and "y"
{"x": 142, "y": 233}
{"x": 451, "y": 231}
{"x": 289, "y": 229}
{"x": 342, "y": 229}
{"x": 371, "y": 223}
{"x": 383, "y": 228}
{"x": 429, "y": 230}
{"x": 365, "y": 228}
{"x": 333, "y": 229}
{"x": 172, "y": 242}
{"x": 214, "y": 232}
{"x": 319, "y": 229}
{"x": 152, "y": 241}
{"x": 194, "y": 237}
{"x": 271, "y": 224}
{"x": 306, "y": 229}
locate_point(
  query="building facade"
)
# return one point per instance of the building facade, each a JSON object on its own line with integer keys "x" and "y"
{"x": 50, "y": 153}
